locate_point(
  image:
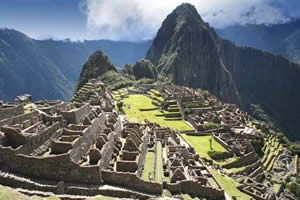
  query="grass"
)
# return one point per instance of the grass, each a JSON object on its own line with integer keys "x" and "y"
{"x": 137, "y": 102}
{"x": 159, "y": 163}
{"x": 99, "y": 197}
{"x": 7, "y": 193}
{"x": 155, "y": 94}
{"x": 148, "y": 166}
{"x": 230, "y": 186}
{"x": 202, "y": 147}
{"x": 237, "y": 169}
{"x": 188, "y": 197}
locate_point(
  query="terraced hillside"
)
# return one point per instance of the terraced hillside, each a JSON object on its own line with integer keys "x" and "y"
{"x": 229, "y": 154}
{"x": 148, "y": 106}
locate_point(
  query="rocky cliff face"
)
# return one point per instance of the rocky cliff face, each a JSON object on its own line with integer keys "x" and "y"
{"x": 189, "y": 53}
{"x": 269, "y": 80}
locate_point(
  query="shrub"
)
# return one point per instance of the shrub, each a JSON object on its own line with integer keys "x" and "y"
{"x": 187, "y": 111}
{"x": 192, "y": 104}
{"x": 294, "y": 187}
{"x": 218, "y": 155}
{"x": 120, "y": 105}
{"x": 145, "y": 81}
{"x": 258, "y": 144}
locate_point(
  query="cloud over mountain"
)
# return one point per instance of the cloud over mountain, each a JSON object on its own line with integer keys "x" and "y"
{"x": 138, "y": 20}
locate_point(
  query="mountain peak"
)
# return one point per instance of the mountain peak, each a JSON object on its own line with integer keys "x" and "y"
{"x": 188, "y": 51}
{"x": 187, "y": 10}
{"x": 97, "y": 64}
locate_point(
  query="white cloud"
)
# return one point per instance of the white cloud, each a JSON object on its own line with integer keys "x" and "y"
{"x": 140, "y": 19}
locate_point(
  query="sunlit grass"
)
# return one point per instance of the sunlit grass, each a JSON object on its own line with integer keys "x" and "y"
{"x": 137, "y": 102}
{"x": 202, "y": 147}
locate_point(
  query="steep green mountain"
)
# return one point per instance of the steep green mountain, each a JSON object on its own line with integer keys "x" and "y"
{"x": 267, "y": 80}
{"x": 25, "y": 69}
{"x": 141, "y": 69}
{"x": 98, "y": 65}
{"x": 49, "y": 69}
{"x": 190, "y": 53}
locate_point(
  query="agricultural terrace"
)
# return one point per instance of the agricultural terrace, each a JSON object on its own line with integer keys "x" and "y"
{"x": 133, "y": 104}
{"x": 202, "y": 147}
{"x": 230, "y": 186}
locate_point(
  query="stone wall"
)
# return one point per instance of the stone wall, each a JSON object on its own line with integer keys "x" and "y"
{"x": 221, "y": 142}
{"x": 250, "y": 168}
{"x": 27, "y": 144}
{"x": 142, "y": 154}
{"x": 245, "y": 160}
{"x": 194, "y": 188}
{"x": 19, "y": 119}
{"x": 88, "y": 138}
{"x": 130, "y": 180}
{"x": 11, "y": 110}
{"x": 56, "y": 167}
{"x": 107, "y": 151}
{"x": 118, "y": 126}
{"x": 75, "y": 116}
{"x": 52, "y": 186}
{"x": 36, "y": 140}
{"x": 127, "y": 165}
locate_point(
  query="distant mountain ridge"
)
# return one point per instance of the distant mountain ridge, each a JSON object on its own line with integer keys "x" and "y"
{"x": 49, "y": 69}
{"x": 283, "y": 39}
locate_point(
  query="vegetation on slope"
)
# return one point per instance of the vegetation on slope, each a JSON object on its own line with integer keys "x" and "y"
{"x": 144, "y": 69}
{"x": 96, "y": 65}
{"x": 24, "y": 68}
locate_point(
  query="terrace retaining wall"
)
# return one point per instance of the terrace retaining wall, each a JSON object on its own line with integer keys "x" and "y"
{"x": 132, "y": 181}
{"x": 194, "y": 188}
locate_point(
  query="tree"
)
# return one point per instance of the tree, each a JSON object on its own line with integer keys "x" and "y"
{"x": 120, "y": 105}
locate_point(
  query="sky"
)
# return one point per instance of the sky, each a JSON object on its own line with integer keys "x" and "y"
{"x": 132, "y": 20}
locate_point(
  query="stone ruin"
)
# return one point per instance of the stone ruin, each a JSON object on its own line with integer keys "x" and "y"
{"x": 78, "y": 148}
{"x": 235, "y": 133}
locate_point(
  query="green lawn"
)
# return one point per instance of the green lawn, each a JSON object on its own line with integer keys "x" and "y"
{"x": 137, "y": 102}
{"x": 188, "y": 197}
{"x": 229, "y": 186}
{"x": 153, "y": 92}
{"x": 237, "y": 169}
{"x": 148, "y": 166}
{"x": 159, "y": 163}
{"x": 202, "y": 147}
{"x": 7, "y": 193}
{"x": 99, "y": 197}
